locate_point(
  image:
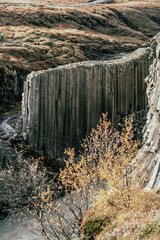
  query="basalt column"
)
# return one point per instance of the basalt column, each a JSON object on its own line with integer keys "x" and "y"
{"x": 60, "y": 106}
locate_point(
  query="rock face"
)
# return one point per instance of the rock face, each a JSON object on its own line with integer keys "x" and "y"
{"x": 61, "y": 105}
{"x": 150, "y": 152}
{"x": 7, "y": 152}
{"x": 11, "y": 86}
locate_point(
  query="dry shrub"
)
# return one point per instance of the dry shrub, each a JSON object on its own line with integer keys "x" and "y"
{"x": 102, "y": 199}
{"x": 103, "y": 172}
{"x": 105, "y": 166}
{"x": 98, "y": 183}
{"x": 144, "y": 201}
{"x": 140, "y": 221}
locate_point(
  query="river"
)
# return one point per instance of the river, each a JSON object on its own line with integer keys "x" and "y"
{"x": 24, "y": 229}
{"x": 19, "y": 231}
{"x": 15, "y": 230}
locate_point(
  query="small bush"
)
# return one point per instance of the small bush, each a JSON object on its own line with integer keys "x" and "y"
{"x": 99, "y": 180}
{"x": 152, "y": 228}
{"x": 93, "y": 226}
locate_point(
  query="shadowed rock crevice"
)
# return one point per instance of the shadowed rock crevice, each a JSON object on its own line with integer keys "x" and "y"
{"x": 125, "y": 20}
{"x": 155, "y": 19}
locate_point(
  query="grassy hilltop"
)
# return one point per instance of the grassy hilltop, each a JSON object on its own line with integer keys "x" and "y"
{"x": 41, "y": 37}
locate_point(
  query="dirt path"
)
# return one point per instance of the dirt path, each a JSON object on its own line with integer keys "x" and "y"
{"x": 57, "y": 5}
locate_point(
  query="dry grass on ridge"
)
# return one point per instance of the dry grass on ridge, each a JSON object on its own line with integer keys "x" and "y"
{"x": 67, "y": 2}
{"x": 140, "y": 221}
{"x": 41, "y": 37}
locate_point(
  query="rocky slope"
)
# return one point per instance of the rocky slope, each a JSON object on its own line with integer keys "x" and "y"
{"x": 150, "y": 152}
{"x": 40, "y": 37}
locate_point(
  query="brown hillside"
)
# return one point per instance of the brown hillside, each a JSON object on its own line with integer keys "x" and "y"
{"x": 40, "y": 37}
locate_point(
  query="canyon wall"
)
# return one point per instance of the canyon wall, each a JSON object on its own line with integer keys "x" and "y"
{"x": 149, "y": 154}
{"x": 11, "y": 86}
{"x": 61, "y": 105}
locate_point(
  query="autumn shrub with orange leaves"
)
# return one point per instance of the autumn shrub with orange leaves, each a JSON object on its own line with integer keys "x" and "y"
{"x": 105, "y": 166}
{"x": 102, "y": 197}
{"x": 101, "y": 182}
{"x": 102, "y": 175}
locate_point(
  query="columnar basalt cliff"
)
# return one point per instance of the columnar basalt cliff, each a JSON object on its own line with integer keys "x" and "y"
{"x": 60, "y": 106}
{"x": 150, "y": 152}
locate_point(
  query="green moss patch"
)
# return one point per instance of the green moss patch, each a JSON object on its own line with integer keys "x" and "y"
{"x": 10, "y": 110}
{"x": 152, "y": 228}
{"x": 94, "y": 225}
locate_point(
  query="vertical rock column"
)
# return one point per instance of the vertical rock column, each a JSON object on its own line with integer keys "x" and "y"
{"x": 149, "y": 155}
{"x": 107, "y": 90}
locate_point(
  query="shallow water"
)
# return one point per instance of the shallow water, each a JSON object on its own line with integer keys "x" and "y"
{"x": 7, "y": 128}
{"x": 19, "y": 231}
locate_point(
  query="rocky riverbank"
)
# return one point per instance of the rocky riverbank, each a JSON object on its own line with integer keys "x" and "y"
{"x": 7, "y": 131}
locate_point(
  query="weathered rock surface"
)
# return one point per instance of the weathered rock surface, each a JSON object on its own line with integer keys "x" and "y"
{"x": 11, "y": 86}
{"x": 61, "y": 105}
{"x": 150, "y": 152}
{"x": 7, "y": 132}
